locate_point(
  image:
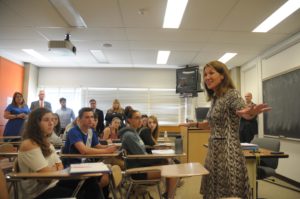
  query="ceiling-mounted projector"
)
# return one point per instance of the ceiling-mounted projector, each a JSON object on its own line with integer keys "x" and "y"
{"x": 62, "y": 47}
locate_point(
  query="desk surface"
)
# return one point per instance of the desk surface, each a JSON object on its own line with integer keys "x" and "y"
{"x": 13, "y": 143}
{"x": 263, "y": 153}
{"x": 176, "y": 170}
{"x": 8, "y": 154}
{"x": 89, "y": 155}
{"x": 62, "y": 174}
{"x": 10, "y": 137}
{"x": 155, "y": 156}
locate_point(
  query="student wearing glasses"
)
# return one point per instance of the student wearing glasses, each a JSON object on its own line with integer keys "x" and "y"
{"x": 134, "y": 145}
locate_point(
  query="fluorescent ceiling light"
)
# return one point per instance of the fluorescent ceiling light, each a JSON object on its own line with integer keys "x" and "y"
{"x": 36, "y": 55}
{"x": 133, "y": 89}
{"x": 162, "y": 57}
{"x": 279, "y": 15}
{"x": 99, "y": 56}
{"x": 174, "y": 13}
{"x": 226, "y": 57}
{"x": 68, "y": 12}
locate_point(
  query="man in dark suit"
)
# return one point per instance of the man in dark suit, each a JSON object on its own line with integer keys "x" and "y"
{"x": 41, "y": 103}
{"x": 100, "y": 125}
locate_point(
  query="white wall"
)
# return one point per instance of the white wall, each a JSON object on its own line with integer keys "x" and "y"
{"x": 109, "y": 78}
{"x": 280, "y": 59}
{"x": 117, "y": 78}
{"x": 30, "y": 82}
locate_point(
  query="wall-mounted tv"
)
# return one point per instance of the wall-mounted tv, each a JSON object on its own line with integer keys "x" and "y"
{"x": 188, "y": 80}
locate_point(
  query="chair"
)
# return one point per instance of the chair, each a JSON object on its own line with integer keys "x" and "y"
{"x": 6, "y": 165}
{"x": 3, "y": 186}
{"x": 267, "y": 166}
{"x": 130, "y": 173}
{"x": 116, "y": 180}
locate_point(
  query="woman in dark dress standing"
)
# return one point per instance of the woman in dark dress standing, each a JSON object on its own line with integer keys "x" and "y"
{"x": 225, "y": 161}
{"x": 16, "y": 113}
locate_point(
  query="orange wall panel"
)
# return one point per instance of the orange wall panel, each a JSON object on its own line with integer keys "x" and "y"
{"x": 11, "y": 80}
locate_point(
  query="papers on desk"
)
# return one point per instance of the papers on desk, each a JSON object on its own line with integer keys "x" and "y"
{"x": 166, "y": 151}
{"x": 165, "y": 144}
{"x": 92, "y": 167}
{"x": 249, "y": 146}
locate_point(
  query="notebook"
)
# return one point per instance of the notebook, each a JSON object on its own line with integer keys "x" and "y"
{"x": 92, "y": 167}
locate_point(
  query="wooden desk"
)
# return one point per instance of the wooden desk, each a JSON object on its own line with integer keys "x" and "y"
{"x": 59, "y": 175}
{"x": 8, "y": 154}
{"x": 176, "y": 170}
{"x": 62, "y": 155}
{"x": 15, "y": 143}
{"x": 155, "y": 156}
{"x": 10, "y": 137}
{"x": 252, "y": 164}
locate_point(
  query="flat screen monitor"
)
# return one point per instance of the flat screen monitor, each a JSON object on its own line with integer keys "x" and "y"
{"x": 188, "y": 80}
{"x": 201, "y": 113}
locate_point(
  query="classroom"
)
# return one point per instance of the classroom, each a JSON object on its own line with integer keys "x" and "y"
{"x": 111, "y": 51}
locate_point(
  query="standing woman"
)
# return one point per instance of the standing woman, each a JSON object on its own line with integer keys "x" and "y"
{"x": 115, "y": 111}
{"x": 225, "y": 161}
{"x": 36, "y": 154}
{"x": 16, "y": 113}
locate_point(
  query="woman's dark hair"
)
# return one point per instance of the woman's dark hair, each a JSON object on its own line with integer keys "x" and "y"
{"x": 130, "y": 114}
{"x": 33, "y": 130}
{"x": 14, "y": 103}
{"x": 225, "y": 84}
{"x": 57, "y": 128}
{"x": 127, "y": 110}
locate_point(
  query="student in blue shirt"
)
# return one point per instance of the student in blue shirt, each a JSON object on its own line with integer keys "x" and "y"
{"x": 82, "y": 139}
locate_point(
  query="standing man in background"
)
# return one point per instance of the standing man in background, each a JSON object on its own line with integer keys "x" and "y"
{"x": 248, "y": 127}
{"x": 100, "y": 125}
{"x": 41, "y": 103}
{"x": 66, "y": 115}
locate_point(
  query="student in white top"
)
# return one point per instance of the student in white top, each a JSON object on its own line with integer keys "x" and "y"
{"x": 36, "y": 154}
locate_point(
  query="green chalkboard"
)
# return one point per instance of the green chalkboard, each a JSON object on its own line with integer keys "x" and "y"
{"x": 282, "y": 93}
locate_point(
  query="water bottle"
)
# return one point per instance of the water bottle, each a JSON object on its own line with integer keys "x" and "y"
{"x": 178, "y": 145}
{"x": 166, "y": 134}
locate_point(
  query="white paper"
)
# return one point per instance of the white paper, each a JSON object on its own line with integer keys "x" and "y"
{"x": 92, "y": 167}
{"x": 166, "y": 151}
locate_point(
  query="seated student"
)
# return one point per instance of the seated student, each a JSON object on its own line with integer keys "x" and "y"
{"x": 36, "y": 154}
{"x": 144, "y": 120}
{"x": 56, "y": 122}
{"x": 82, "y": 139}
{"x": 68, "y": 127}
{"x": 133, "y": 144}
{"x": 149, "y": 135}
{"x": 53, "y": 138}
{"x": 111, "y": 132}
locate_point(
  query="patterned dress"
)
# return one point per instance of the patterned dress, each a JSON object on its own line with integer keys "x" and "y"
{"x": 225, "y": 161}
